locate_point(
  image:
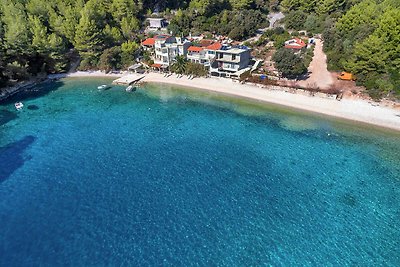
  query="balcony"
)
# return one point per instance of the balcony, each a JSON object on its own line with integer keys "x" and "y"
{"x": 228, "y": 58}
{"x": 195, "y": 56}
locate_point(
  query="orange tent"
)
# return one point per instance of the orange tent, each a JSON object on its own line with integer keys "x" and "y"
{"x": 346, "y": 76}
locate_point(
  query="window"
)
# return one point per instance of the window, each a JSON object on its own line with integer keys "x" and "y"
{"x": 233, "y": 57}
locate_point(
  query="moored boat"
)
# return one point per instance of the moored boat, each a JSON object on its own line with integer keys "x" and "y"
{"x": 19, "y": 105}
{"x": 130, "y": 88}
{"x": 102, "y": 87}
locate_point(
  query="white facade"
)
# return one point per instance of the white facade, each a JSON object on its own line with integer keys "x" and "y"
{"x": 203, "y": 57}
{"x": 229, "y": 60}
{"x": 167, "y": 48}
{"x": 157, "y": 23}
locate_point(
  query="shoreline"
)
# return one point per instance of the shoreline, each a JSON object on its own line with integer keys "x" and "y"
{"x": 9, "y": 91}
{"x": 356, "y": 110}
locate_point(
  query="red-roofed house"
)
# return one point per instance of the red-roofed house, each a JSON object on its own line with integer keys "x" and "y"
{"x": 197, "y": 49}
{"x": 149, "y": 42}
{"x": 295, "y": 44}
{"x": 215, "y": 46}
{"x": 203, "y": 54}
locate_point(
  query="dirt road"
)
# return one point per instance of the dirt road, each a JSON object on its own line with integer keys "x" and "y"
{"x": 319, "y": 75}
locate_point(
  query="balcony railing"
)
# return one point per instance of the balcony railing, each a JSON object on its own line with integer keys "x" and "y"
{"x": 228, "y": 59}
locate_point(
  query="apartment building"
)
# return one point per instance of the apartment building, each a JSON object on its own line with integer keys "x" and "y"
{"x": 230, "y": 60}
{"x": 167, "y": 48}
{"x": 203, "y": 54}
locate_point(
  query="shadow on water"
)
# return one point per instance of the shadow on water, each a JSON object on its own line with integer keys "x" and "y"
{"x": 33, "y": 107}
{"x": 7, "y": 116}
{"x": 37, "y": 91}
{"x": 11, "y": 156}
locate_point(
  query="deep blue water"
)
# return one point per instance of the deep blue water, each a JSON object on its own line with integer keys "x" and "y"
{"x": 161, "y": 177}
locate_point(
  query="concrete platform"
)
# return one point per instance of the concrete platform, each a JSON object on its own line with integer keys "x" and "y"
{"x": 129, "y": 79}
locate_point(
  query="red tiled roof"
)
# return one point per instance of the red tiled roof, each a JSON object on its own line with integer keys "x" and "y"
{"x": 156, "y": 65}
{"x": 195, "y": 49}
{"x": 294, "y": 46}
{"x": 297, "y": 44}
{"x": 149, "y": 42}
{"x": 214, "y": 46}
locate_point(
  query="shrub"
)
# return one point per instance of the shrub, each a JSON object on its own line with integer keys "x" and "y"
{"x": 110, "y": 59}
{"x": 196, "y": 69}
{"x": 288, "y": 63}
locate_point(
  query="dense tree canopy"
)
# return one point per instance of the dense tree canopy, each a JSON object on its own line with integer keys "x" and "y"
{"x": 239, "y": 19}
{"x": 288, "y": 63}
{"x": 36, "y": 36}
{"x": 361, "y": 36}
{"x": 365, "y": 41}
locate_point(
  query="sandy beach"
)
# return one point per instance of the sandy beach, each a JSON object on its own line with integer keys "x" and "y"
{"x": 77, "y": 74}
{"x": 350, "y": 109}
{"x": 358, "y": 110}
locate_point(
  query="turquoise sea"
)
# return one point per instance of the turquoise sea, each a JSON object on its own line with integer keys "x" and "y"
{"x": 167, "y": 177}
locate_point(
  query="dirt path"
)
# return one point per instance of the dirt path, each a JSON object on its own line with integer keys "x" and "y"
{"x": 319, "y": 75}
{"x": 274, "y": 17}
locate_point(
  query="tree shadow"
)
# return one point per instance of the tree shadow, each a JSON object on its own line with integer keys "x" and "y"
{"x": 39, "y": 90}
{"x": 304, "y": 76}
{"x": 12, "y": 158}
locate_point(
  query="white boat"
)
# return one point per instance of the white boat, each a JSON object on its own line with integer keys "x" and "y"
{"x": 102, "y": 87}
{"x": 130, "y": 88}
{"x": 19, "y": 105}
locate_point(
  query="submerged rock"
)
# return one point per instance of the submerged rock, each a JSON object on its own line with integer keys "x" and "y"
{"x": 33, "y": 107}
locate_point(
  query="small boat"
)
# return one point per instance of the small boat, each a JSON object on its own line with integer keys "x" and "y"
{"x": 102, "y": 87}
{"x": 19, "y": 105}
{"x": 130, "y": 88}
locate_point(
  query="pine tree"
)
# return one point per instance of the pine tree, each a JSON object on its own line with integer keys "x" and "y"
{"x": 17, "y": 35}
{"x": 39, "y": 35}
{"x": 130, "y": 27}
{"x": 88, "y": 39}
{"x": 3, "y": 60}
{"x": 57, "y": 62}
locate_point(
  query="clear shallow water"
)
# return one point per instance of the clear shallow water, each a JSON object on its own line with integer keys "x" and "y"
{"x": 168, "y": 178}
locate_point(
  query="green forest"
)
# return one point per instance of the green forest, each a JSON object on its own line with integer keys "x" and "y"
{"x": 360, "y": 36}
{"x": 39, "y": 37}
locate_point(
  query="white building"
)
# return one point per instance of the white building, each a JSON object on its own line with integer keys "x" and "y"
{"x": 157, "y": 23}
{"x": 231, "y": 61}
{"x": 167, "y": 48}
{"x": 203, "y": 54}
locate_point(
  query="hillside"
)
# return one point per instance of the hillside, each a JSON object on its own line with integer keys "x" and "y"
{"x": 360, "y": 36}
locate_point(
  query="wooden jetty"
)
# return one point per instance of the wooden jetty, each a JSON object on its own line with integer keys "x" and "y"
{"x": 129, "y": 79}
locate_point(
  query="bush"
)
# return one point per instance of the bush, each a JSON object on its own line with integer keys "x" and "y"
{"x": 295, "y": 20}
{"x": 196, "y": 69}
{"x": 129, "y": 51}
{"x": 307, "y": 58}
{"x": 288, "y": 63}
{"x": 16, "y": 71}
{"x": 110, "y": 59}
